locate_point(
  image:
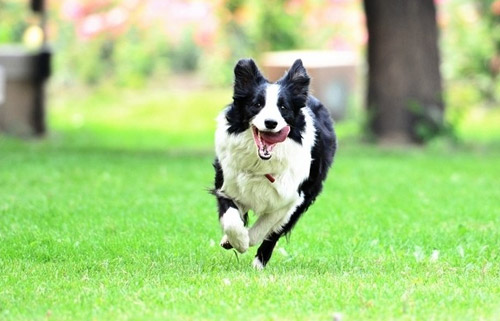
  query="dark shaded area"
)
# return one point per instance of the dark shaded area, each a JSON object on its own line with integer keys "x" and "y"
{"x": 404, "y": 83}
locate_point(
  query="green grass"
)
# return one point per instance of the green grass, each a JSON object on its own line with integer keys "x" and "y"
{"x": 109, "y": 219}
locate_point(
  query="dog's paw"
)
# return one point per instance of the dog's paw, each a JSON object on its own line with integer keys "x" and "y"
{"x": 225, "y": 243}
{"x": 236, "y": 233}
{"x": 257, "y": 264}
{"x": 237, "y": 238}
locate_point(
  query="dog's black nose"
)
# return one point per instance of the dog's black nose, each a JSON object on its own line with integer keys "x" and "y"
{"x": 270, "y": 124}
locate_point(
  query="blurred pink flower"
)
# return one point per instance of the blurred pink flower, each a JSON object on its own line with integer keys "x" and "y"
{"x": 340, "y": 43}
{"x": 131, "y": 4}
{"x": 72, "y": 10}
{"x": 116, "y": 17}
{"x": 91, "y": 26}
{"x": 205, "y": 34}
{"x": 201, "y": 19}
{"x": 177, "y": 16}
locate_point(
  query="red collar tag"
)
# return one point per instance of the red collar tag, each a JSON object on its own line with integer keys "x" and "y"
{"x": 270, "y": 178}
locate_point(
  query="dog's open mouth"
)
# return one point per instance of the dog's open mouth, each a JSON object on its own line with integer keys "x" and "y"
{"x": 266, "y": 141}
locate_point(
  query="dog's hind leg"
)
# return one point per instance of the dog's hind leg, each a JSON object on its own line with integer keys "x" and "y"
{"x": 265, "y": 251}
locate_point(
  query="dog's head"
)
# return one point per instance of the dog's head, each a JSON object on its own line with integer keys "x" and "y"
{"x": 271, "y": 109}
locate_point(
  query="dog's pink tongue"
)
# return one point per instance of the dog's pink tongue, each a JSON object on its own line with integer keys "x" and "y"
{"x": 273, "y": 138}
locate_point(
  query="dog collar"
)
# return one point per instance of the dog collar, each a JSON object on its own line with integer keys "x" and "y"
{"x": 270, "y": 178}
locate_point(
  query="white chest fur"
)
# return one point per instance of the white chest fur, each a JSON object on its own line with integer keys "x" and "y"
{"x": 244, "y": 172}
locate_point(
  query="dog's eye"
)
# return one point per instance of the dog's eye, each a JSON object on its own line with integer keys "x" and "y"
{"x": 258, "y": 105}
{"x": 282, "y": 107}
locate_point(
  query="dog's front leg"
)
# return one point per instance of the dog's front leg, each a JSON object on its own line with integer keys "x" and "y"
{"x": 235, "y": 232}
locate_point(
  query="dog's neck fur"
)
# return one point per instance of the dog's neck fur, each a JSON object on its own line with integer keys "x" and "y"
{"x": 244, "y": 171}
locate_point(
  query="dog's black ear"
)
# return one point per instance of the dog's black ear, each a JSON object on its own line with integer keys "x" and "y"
{"x": 297, "y": 78}
{"x": 246, "y": 76}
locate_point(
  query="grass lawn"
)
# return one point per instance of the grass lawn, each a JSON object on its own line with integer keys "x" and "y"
{"x": 108, "y": 218}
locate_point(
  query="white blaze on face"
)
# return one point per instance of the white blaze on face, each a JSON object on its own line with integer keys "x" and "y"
{"x": 270, "y": 110}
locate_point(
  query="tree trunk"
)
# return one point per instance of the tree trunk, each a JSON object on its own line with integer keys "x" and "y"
{"x": 404, "y": 82}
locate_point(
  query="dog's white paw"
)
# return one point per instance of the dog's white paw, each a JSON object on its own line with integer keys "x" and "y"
{"x": 257, "y": 264}
{"x": 238, "y": 238}
{"x": 236, "y": 233}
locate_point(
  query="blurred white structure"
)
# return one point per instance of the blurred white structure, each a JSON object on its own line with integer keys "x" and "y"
{"x": 333, "y": 74}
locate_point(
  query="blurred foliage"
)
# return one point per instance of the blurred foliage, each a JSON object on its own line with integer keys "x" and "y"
{"x": 186, "y": 55}
{"x": 471, "y": 48}
{"x": 250, "y": 27}
{"x": 13, "y": 21}
{"x": 128, "y": 42}
{"x": 470, "y": 51}
{"x": 279, "y": 31}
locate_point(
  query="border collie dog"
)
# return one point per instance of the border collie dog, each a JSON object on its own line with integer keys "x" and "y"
{"x": 274, "y": 145}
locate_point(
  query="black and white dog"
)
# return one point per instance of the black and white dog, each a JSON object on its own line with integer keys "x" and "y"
{"x": 274, "y": 146}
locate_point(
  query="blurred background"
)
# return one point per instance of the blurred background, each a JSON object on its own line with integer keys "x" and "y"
{"x": 155, "y": 73}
